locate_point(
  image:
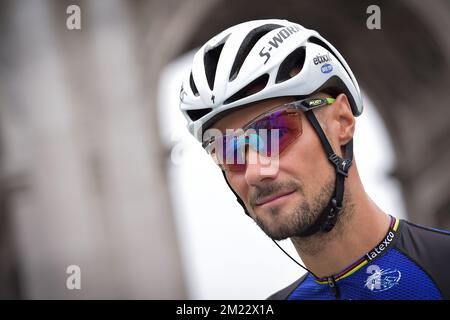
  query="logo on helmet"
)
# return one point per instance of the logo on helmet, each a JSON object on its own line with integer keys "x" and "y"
{"x": 326, "y": 68}
{"x": 278, "y": 39}
{"x": 322, "y": 58}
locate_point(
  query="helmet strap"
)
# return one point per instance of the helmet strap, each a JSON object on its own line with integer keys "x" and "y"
{"x": 239, "y": 200}
{"x": 327, "y": 219}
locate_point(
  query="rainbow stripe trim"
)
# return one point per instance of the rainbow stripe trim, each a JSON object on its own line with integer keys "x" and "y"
{"x": 359, "y": 263}
{"x": 394, "y": 223}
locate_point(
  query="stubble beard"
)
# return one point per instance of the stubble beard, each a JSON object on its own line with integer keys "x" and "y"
{"x": 301, "y": 217}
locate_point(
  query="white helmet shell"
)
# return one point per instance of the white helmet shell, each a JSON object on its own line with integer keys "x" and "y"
{"x": 261, "y": 53}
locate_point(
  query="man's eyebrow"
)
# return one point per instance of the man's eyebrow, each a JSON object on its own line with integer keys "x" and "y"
{"x": 217, "y": 128}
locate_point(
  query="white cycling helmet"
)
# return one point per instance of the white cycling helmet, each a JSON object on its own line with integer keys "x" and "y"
{"x": 261, "y": 54}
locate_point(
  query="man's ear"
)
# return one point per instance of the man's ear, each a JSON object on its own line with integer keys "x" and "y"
{"x": 345, "y": 118}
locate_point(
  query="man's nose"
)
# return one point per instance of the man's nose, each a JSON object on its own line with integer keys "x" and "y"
{"x": 260, "y": 167}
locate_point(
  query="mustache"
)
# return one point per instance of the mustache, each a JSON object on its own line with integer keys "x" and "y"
{"x": 260, "y": 192}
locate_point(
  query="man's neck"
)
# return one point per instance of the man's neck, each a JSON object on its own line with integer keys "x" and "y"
{"x": 360, "y": 228}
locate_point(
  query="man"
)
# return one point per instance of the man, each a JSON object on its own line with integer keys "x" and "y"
{"x": 274, "y": 104}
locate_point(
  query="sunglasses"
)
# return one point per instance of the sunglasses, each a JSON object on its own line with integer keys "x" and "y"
{"x": 269, "y": 134}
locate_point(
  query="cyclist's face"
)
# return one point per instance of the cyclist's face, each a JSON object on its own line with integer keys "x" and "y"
{"x": 283, "y": 195}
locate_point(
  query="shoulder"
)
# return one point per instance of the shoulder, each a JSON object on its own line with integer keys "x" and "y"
{"x": 284, "y": 293}
{"x": 430, "y": 249}
{"x": 423, "y": 241}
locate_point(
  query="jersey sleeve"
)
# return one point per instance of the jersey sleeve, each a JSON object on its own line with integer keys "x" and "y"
{"x": 284, "y": 293}
{"x": 429, "y": 249}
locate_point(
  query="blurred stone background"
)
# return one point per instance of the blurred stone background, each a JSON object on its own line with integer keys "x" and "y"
{"x": 82, "y": 168}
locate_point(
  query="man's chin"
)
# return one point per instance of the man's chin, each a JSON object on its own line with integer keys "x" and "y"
{"x": 275, "y": 230}
{"x": 278, "y": 227}
{"x": 277, "y": 234}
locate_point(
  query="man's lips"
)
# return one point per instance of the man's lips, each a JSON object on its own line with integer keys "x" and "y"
{"x": 272, "y": 198}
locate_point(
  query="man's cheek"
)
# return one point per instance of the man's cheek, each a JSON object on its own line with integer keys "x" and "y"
{"x": 242, "y": 188}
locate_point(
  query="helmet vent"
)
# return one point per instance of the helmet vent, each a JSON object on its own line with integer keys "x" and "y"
{"x": 211, "y": 59}
{"x": 253, "y": 87}
{"x": 193, "y": 86}
{"x": 247, "y": 45}
{"x": 292, "y": 65}
{"x": 197, "y": 114}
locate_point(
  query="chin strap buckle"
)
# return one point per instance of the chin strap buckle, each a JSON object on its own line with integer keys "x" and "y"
{"x": 342, "y": 165}
{"x": 334, "y": 206}
{"x": 332, "y": 216}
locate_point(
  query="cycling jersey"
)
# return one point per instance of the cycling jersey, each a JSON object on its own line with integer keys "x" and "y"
{"x": 411, "y": 262}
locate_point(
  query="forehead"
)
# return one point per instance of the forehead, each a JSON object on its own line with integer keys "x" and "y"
{"x": 240, "y": 117}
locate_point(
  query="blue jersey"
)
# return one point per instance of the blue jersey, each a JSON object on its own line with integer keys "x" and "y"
{"x": 411, "y": 262}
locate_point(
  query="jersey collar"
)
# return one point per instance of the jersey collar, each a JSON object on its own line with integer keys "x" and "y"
{"x": 376, "y": 252}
